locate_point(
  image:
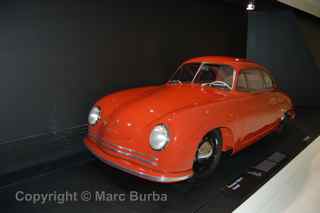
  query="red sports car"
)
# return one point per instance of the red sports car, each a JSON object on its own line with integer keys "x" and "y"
{"x": 178, "y": 130}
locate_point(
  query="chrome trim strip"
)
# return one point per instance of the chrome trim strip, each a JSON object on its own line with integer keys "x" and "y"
{"x": 161, "y": 179}
{"x": 199, "y": 68}
{"x": 234, "y": 75}
{"x": 125, "y": 151}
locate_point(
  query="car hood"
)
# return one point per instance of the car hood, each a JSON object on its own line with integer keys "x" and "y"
{"x": 137, "y": 109}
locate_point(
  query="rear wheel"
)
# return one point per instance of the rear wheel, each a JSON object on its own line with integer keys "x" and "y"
{"x": 208, "y": 155}
{"x": 283, "y": 123}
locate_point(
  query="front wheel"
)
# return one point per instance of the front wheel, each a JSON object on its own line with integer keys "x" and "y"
{"x": 208, "y": 155}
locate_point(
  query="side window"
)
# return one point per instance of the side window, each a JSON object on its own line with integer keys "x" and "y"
{"x": 255, "y": 80}
{"x": 251, "y": 81}
{"x": 242, "y": 83}
{"x": 267, "y": 80}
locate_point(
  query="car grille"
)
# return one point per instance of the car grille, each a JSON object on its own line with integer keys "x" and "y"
{"x": 121, "y": 150}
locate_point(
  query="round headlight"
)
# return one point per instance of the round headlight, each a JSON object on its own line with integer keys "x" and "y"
{"x": 94, "y": 115}
{"x": 159, "y": 137}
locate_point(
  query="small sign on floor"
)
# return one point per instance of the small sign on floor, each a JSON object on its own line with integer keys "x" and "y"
{"x": 250, "y": 180}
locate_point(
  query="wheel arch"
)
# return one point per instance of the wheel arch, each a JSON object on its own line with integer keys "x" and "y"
{"x": 226, "y": 136}
{"x": 227, "y": 139}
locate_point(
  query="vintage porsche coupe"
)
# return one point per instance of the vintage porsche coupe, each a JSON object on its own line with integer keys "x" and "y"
{"x": 178, "y": 130}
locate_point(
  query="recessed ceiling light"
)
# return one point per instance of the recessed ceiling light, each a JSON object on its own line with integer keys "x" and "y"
{"x": 251, "y": 5}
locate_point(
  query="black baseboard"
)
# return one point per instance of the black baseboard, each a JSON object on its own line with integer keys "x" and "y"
{"x": 19, "y": 176}
{"x": 29, "y": 152}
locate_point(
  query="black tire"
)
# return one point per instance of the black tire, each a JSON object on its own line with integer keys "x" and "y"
{"x": 203, "y": 168}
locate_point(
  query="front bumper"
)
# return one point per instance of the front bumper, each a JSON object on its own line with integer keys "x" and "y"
{"x": 134, "y": 168}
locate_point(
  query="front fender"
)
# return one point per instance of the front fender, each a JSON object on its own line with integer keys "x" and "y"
{"x": 187, "y": 127}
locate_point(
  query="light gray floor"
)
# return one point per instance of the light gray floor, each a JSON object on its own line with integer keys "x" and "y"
{"x": 296, "y": 188}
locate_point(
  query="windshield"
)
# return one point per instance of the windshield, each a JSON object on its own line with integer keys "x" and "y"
{"x": 215, "y": 75}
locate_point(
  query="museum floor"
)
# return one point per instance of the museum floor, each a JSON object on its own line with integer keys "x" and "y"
{"x": 294, "y": 189}
{"x": 236, "y": 179}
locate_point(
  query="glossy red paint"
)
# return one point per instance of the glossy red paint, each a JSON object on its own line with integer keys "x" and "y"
{"x": 121, "y": 137}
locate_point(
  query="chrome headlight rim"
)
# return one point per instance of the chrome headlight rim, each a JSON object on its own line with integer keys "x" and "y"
{"x": 95, "y": 111}
{"x": 159, "y": 130}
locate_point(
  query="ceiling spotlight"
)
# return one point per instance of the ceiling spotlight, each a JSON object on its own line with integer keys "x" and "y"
{"x": 251, "y": 5}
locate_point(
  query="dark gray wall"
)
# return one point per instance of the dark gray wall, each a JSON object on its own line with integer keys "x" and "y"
{"x": 310, "y": 29}
{"x": 57, "y": 58}
{"x": 275, "y": 40}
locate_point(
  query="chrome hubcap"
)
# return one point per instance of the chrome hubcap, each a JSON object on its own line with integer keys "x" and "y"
{"x": 205, "y": 151}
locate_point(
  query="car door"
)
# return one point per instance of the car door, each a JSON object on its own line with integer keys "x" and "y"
{"x": 252, "y": 108}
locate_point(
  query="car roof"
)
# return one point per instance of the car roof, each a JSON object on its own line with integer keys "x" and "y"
{"x": 237, "y": 63}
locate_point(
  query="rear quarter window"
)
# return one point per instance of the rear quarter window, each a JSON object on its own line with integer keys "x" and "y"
{"x": 268, "y": 84}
